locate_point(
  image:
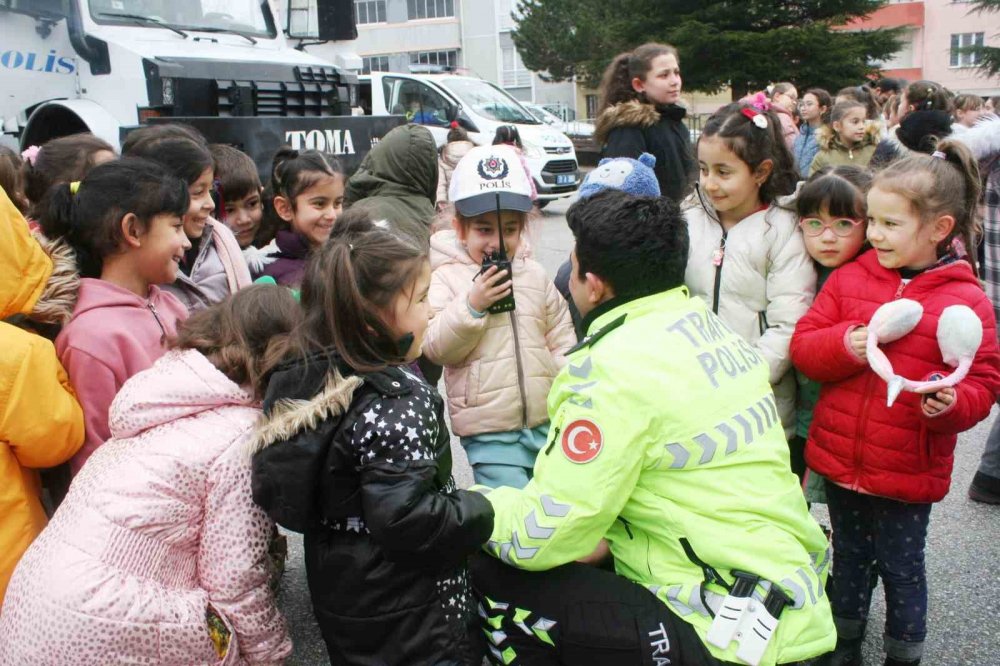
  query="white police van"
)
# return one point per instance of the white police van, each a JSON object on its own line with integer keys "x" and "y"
{"x": 434, "y": 100}
{"x": 223, "y": 66}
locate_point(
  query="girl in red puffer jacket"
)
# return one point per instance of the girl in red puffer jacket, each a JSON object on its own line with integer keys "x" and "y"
{"x": 886, "y": 465}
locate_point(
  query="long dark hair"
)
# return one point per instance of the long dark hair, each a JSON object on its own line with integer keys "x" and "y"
{"x": 184, "y": 157}
{"x": 824, "y": 100}
{"x": 90, "y": 219}
{"x": 349, "y": 285}
{"x": 236, "y": 334}
{"x": 754, "y": 145}
{"x": 616, "y": 84}
{"x": 61, "y": 160}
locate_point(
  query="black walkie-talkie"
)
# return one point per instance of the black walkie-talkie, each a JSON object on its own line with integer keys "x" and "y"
{"x": 499, "y": 259}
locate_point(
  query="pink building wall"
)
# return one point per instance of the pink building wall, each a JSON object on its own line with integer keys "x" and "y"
{"x": 926, "y": 53}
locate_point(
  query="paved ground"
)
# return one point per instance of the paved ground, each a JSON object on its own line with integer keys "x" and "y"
{"x": 963, "y": 552}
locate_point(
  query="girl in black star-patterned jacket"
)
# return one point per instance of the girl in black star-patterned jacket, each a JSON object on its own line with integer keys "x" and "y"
{"x": 354, "y": 453}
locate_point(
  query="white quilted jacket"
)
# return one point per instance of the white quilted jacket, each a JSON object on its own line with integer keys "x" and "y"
{"x": 494, "y": 381}
{"x": 767, "y": 283}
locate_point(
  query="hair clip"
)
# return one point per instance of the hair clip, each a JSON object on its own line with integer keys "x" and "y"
{"x": 756, "y": 117}
{"x": 938, "y": 154}
{"x": 759, "y": 101}
{"x": 74, "y": 187}
{"x": 30, "y": 154}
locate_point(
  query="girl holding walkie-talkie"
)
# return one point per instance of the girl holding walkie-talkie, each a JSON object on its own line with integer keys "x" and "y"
{"x": 500, "y": 328}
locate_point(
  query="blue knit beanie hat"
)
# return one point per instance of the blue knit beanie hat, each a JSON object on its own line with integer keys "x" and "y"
{"x": 633, "y": 177}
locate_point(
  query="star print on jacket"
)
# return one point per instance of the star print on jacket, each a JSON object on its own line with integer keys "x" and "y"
{"x": 399, "y": 429}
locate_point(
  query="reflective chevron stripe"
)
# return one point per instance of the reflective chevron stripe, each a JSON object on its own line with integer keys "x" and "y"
{"x": 741, "y": 428}
{"x": 534, "y": 530}
{"x": 552, "y": 508}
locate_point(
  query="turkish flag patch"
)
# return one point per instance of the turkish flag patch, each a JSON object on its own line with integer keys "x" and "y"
{"x": 582, "y": 441}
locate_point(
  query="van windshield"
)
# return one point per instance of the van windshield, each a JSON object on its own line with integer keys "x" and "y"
{"x": 245, "y": 17}
{"x": 488, "y": 101}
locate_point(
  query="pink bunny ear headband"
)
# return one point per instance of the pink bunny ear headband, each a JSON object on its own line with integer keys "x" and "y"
{"x": 959, "y": 334}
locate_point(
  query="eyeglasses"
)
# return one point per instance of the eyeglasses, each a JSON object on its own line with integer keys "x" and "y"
{"x": 844, "y": 226}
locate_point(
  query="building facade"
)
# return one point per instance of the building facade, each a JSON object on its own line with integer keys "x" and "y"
{"x": 935, "y": 31}
{"x": 470, "y": 36}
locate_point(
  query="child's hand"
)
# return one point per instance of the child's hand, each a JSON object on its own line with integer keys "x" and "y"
{"x": 488, "y": 288}
{"x": 858, "y": 340}
{"x": 936, "y": 403}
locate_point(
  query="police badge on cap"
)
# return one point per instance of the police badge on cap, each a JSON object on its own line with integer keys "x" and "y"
{"x": 486, "y": 172}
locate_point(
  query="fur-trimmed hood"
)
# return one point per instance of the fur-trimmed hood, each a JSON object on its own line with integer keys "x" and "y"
{"x": 633, "y": 113}
{"x": 983, "y": 138}
{"x": 829, "y": 140}
{"x": 55, "y": 305}
{"x": 288, "y": 417}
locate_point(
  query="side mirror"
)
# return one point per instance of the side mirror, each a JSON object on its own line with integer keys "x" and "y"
{"x": 323, "y": 20}
{"x": 451, "y": 113}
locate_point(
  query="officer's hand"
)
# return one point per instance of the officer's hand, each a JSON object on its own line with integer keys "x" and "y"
{"x": 488, "y": 288}
{"x": 600, "y": 554}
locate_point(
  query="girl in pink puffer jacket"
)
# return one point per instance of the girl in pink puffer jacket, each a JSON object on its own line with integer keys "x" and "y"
{"x": 158, "y": 554}
{"x": 499, "y": 366}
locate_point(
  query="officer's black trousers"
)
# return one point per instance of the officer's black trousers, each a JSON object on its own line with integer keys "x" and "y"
{"x": 579, "y": 615}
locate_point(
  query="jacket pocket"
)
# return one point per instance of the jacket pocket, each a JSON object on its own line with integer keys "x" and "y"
{"x": 222, "y": 636}
{"x": 924, "y": 444}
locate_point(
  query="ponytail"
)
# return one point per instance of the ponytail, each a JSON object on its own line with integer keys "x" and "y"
{"x": 348, "y": 290}
{"x": 616, "y": 83}
{"x": 89, "y": 220}
{"x": 944, "y": 183}
{"x": 968, "y": 226}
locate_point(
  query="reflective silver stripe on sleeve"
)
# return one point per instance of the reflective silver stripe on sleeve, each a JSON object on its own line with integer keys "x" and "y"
{"x": 523, "y": 553}
{"x": 552, "y": 508}
{"x": 534, "y": 530}
{"x": 798, "y": 593}
{"x": 762, "y": 406}
{"x": 747, "y": 430}
{"x": 756, "y": 417}
{"x": 581, "y": 369}
{"x": 804, "y": 577}
{"x": 673, "y": 598}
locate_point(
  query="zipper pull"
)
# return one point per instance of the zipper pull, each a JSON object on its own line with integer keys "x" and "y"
{"x": 899, "y": 291}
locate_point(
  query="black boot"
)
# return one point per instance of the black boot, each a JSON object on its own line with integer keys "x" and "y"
{"x": 890, "y": 661}
{"x": 847, "y": 652}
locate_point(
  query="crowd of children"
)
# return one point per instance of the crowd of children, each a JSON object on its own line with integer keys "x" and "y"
{"x": 196, "y": 410}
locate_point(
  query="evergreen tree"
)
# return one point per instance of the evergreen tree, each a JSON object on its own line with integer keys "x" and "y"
{"x": 744, "y": 45}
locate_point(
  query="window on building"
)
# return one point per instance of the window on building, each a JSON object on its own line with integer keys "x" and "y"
{"x": 439, "y": 58}
{"x": 379, "y": 63}
{"x": 591, "y": 106}
{"x": 428, "y": 9}
{"x": 370, "y": 11}
{"x": 515, "y": 74}
{"x": 962, "y": 41}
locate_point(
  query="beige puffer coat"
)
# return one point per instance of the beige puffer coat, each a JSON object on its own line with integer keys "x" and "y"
{"x": 496, "y": 381}
{"x": 767, "y": 282}
{"x": 451, "y": 154}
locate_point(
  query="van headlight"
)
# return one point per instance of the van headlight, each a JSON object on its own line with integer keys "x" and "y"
{"x": 532, "y": 150}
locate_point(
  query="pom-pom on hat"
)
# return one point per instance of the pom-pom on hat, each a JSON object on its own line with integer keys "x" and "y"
{"x": 486, "y": 173}
{"x": 631, "y": 176}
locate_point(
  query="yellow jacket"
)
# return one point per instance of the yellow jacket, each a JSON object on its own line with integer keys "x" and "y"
{"x": 41, "y": 424}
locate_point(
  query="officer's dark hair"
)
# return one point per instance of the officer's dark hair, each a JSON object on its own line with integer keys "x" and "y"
{"x": 639, "y": 245}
